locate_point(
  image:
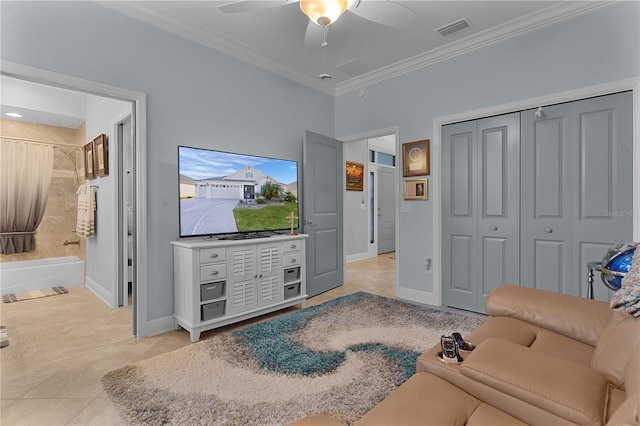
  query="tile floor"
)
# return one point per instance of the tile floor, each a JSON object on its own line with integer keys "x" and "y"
{"x": 61, "y": 346}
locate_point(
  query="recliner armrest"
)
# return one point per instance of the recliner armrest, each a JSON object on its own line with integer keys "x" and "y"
{"x": 575, "y": 317}
{"x": 570, "y": 391}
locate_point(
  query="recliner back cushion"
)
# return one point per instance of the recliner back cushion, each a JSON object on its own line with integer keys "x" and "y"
{"x": 615, "y": 346}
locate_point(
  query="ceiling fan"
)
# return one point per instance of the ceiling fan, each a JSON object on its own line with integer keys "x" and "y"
{"x": 323, "y": 13}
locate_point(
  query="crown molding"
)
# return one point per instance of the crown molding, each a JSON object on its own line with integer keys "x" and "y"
{"x": 544, "y": 17}
{"x": 205, "y": 36}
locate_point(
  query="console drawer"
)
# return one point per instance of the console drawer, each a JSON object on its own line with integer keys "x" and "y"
{"x": 213, "y": 272}
{"x": 289, "y": 246}
{"x": 292, "y": 259}
{"x": 210, "y": 255}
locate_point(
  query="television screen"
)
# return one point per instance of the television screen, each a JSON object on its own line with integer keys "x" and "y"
{"x": 230, "y": 193}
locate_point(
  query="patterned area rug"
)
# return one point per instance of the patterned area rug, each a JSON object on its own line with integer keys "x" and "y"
{"x": 36, "y": 294}
{"x": 338, "y": 358}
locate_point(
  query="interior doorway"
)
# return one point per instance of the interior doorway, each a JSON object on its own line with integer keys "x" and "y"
{"x": 108, "y": 190}
{"x": 371, "y": 225}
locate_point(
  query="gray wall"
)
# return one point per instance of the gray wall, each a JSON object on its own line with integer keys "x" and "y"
{"x": 101, "y": 257}
{"x": 356, "y": 220}
{"x": 195, "y": 96}
{"x": 591, "y": 49}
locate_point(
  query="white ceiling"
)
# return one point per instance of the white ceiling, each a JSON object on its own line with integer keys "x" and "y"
{"x": 359, "y": 51}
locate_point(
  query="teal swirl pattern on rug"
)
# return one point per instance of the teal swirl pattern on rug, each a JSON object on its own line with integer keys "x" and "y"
{"x": 340, "y": 358}
{"x": 276, "y": 348}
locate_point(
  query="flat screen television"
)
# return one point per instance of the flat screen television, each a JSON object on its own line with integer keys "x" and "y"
{"x": 233, "y": 195}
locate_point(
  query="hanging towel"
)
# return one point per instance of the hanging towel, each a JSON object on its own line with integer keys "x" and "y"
{"x": 85, "y": 225}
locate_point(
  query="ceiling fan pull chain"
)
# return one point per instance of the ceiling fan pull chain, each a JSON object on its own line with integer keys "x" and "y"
{"x": 324, "y": 75}
{"x": 324, "y": 36}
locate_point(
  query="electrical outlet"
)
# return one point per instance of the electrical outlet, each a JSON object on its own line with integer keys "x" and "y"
{"x": 428, "y": 267}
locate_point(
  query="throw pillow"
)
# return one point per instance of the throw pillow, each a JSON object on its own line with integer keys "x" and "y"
{"x": 627, "y": 299}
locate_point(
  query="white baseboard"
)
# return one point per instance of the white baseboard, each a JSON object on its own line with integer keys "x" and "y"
{"x": 99, "y": 291}
{"x": 157, "y": 326}
{"x": 357, "y": 256}
{"x": 416, "y": 296}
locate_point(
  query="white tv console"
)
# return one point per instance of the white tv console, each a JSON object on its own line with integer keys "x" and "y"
{"x": 220, "y": 282}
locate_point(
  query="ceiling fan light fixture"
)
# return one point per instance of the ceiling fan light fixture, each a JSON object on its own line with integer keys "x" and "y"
{"x": 323, "y": 12}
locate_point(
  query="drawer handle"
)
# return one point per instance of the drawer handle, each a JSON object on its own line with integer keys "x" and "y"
{"x": 214, "y": 273}
{"x": 213, "y": 255}
{"x": 293, "y": 260}
{"x": 293, "y": 246}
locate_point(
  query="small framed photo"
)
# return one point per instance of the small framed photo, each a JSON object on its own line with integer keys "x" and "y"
{"x": 415, "y": 158}
{"x": 355, "y": 176}
{"x": 101, "y": 155}
{"x": 416, "y": 189}
{"x": 89, "y": 167}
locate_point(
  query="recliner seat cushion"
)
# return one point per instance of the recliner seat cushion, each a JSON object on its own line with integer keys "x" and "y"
{"x": 425, "y": 399}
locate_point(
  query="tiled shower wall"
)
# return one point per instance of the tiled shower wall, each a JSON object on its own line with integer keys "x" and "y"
{"x": 59, "y": 221}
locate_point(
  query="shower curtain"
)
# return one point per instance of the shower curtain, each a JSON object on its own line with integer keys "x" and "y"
{"x": 26, "y": 169}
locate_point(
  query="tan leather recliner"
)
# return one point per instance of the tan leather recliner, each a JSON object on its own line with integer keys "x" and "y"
{"x": 550, "y": 358}
{"x": 541, "y": 358}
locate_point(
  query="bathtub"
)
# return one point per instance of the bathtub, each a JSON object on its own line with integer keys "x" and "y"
{"x": 40, "y": 274}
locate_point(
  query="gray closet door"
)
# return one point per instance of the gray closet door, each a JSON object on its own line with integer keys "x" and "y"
{"x": 576, "y": 190}
{"x": 459, "y": 215}
{"x": 498, "y": 203}
{"x": 481, "y": 209}
{"x": 603, "y": 195}
{"x": 548, "y": 158}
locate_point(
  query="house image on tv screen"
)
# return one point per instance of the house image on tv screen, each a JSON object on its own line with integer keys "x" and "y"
{"x": 244, "y": 184}
{"x": 255, "y": 194}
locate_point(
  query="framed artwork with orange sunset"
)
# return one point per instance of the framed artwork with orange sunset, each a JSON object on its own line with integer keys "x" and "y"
{"x": 355, "y": 176}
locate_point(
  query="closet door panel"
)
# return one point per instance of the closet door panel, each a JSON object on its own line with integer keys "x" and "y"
{"x": 494, "y": 264}
{"x": 545, "y": 238}
{"x": 498, "y": 202}
{"x": 459, "y": 246}
{"x": 603, "y": 199}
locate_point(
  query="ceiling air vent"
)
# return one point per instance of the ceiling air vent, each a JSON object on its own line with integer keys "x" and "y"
{"x": 454, "y": 27}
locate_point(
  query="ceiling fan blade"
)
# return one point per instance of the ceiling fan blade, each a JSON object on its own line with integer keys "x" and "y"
{"x": 249, "y": 5}
{"x": 314, "y": 36}
{"x": 384, "y": 13}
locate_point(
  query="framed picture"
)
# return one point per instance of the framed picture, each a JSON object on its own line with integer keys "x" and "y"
{"x": 415, "y": 158}
{"x": 416, "y": 189}
{"x": 101, "y": 154}
{"x": 89, "y": 167}
{"x": 355, "y": 176}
